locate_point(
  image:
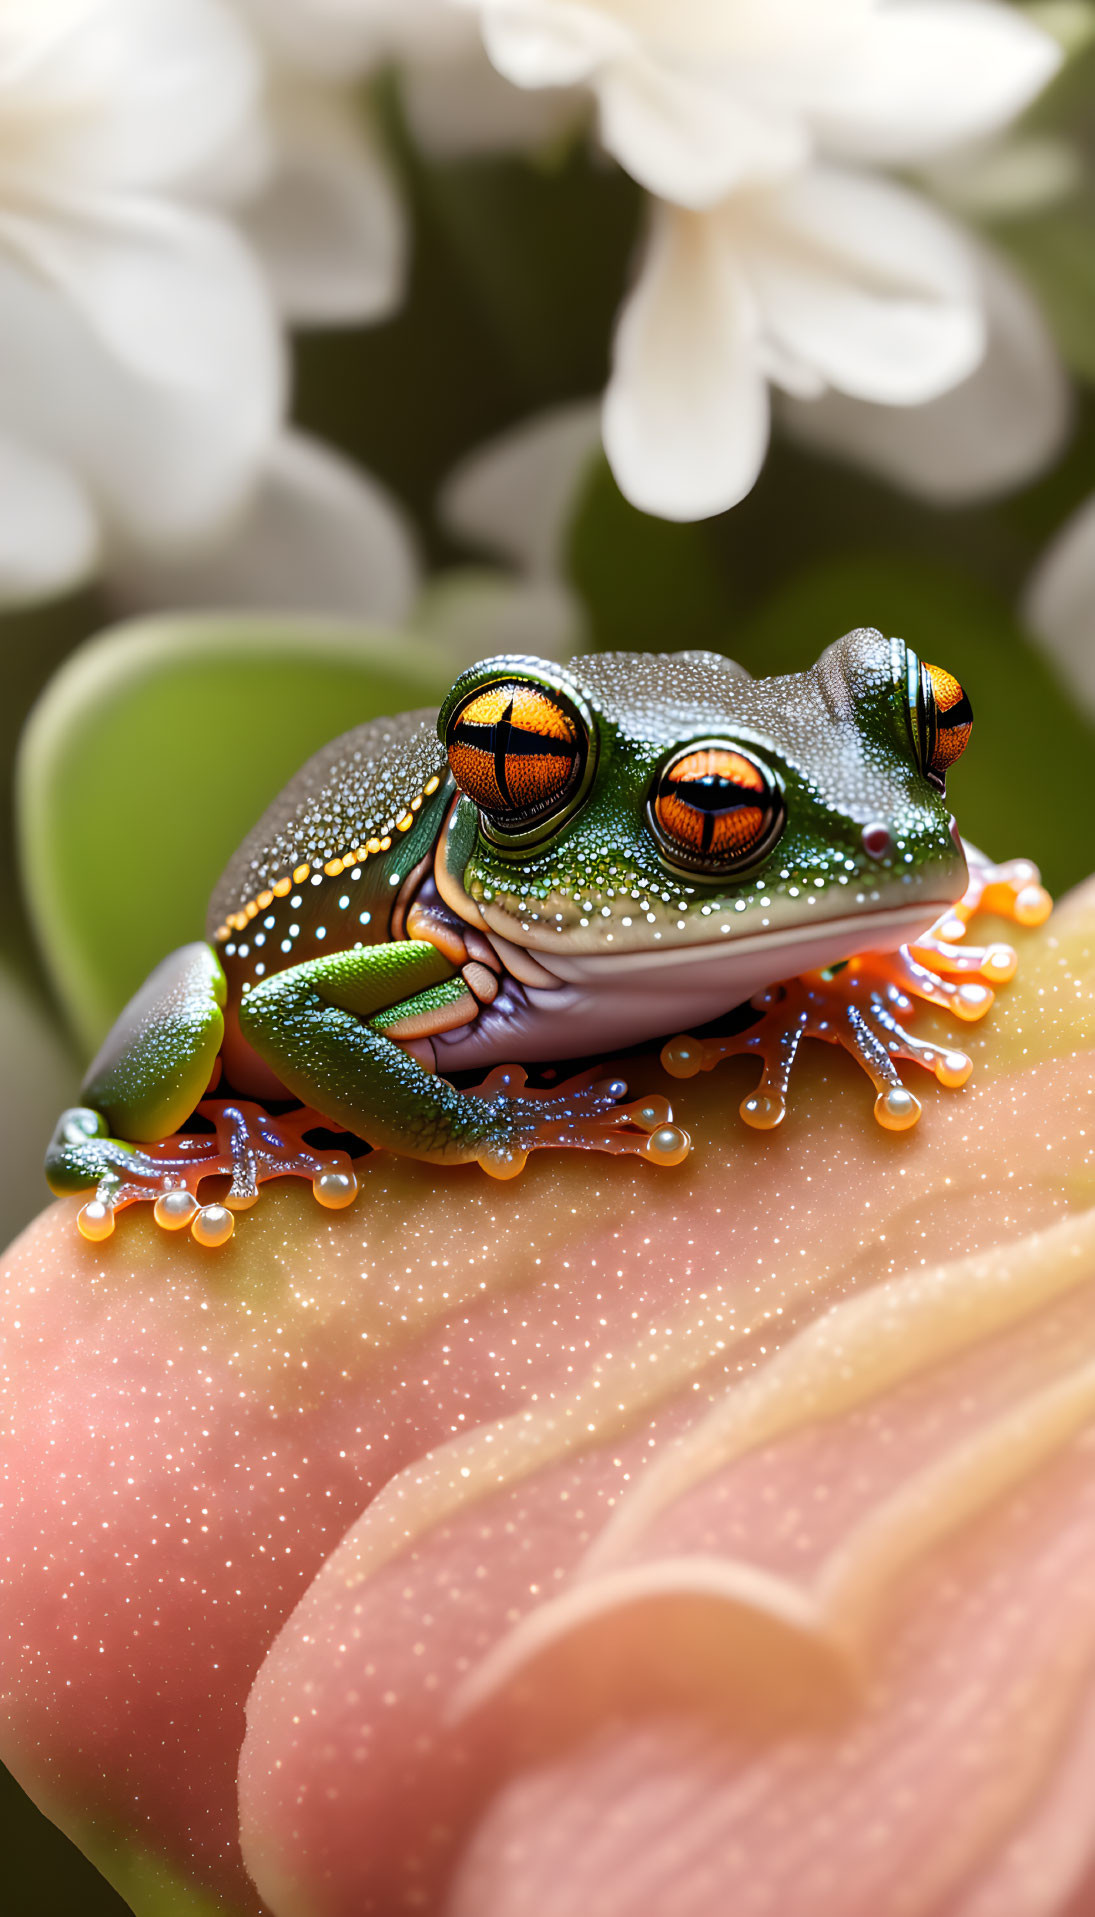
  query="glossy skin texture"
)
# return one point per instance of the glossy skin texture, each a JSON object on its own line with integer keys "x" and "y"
{"x": 838, "y": 737}
{"x": 656, "y": 839}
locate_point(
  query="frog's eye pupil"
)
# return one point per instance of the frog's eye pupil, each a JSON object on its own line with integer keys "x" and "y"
{"x": 948, "y": 720}
{"x": 518, "y": 750}
{"x": 715, "y": 807}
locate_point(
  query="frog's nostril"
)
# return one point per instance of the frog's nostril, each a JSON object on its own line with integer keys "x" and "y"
{"x": 877, "y": 842}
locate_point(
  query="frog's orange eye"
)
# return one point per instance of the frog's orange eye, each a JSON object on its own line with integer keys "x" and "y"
{"x": 518, "y": 750}
{"x": 946, "y": 721}
{"x": 715, "y": 807}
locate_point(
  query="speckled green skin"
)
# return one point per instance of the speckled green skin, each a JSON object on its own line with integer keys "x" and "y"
{"x": 157, "y": 1061}
{"x": 839, "y": 738}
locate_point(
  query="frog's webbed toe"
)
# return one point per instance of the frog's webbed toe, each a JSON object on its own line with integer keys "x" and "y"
{"x": 82, "y": 1156}
{"x": 586, "y": 1113}
{"x": 865, "y": 1004}
{"x": 247, "y": 1145}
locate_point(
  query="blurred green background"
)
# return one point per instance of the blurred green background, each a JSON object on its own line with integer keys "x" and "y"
{"x": 162, "y": 748}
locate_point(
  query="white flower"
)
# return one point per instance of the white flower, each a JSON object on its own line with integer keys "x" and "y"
{"x": 774, "y": 256}
{"x": 141, "y": 373}
{"x": 980, "y": 439}
{"x": 329, "y": 223}
{"x": 176, "y": 180}
{"x": 456, "y": 102}
{"x": 829, "y": 280}
{"x": 514, "y": 498}
{"x": 700, "y": 97}
{"x": 1060, "y": 603}
{"x": 316, "y": 535}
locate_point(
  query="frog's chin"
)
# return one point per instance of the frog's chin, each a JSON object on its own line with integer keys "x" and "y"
{"x": 807, "y": 946}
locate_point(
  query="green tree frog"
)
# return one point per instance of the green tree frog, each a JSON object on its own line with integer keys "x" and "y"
{"x": 565, "y": 862}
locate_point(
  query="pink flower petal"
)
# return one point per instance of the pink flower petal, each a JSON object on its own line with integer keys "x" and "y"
{"x": 885, "y": 1604}
{"x": 191, "y": 1441}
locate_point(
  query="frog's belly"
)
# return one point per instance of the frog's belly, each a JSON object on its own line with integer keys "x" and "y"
{"x": 604, "y": 1003}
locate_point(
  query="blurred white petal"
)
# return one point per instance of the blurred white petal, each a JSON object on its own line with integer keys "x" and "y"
{"x": 458, "y": 103}
{"x": 866, "y": 283}
{"x": 49, "y": 538}
{"x": 330, "y": 226}
{"x": 552, "y": 43}
{"x": 515, "y": 495}
{"x": 928, "y": 75}
{"x": 319, "y": 536}
{"x": 686, "y": 411}
{"x": 1060, "y": 603}
{"x": 120, "y": 93}
{"x": 1007, "y": 178}
{"x": 144, "y": 349}
{"x": 340, "y": 39}
{"x": 475, "y": 612}
{"x": 698, "y": 31}
{"x": 993, "y": 432}
{"x": 685, "y": 137}
{"x": 334, "y": 38}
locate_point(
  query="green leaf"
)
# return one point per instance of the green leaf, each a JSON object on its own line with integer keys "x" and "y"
{"x": 1021, "y": 787}
{"x": 153, "y": 752}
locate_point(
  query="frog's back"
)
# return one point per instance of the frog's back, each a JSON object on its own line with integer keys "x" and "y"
{"x": 323, "y": 865}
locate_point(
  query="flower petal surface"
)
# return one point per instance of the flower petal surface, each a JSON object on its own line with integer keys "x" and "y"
{"x": 928, "y": 75}
{"x": 49, "y": 536}
{"x": 117, "y": 96}
{"x": 995, "y": 430}
{"x": 781, "y": 1583}
{"x": 166, "y": 367}
{"x": 686, "y": 411}
{"x": 514, "y": 496}
{"x": 319, "y": 536}
{"x": 1060, "y": 599}
{"x": 329, "y": 226}
{"x": 863, "y": 281}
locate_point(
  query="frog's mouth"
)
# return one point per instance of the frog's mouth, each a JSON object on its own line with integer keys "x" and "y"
{"x": 598, "y": 1003}
{"x": 782, "y": 952}
{"x": 636, "y": 938}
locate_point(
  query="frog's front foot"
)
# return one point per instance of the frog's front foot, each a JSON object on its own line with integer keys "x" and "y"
{"x": 247, "y": 1146}
{"x": 864, "y": 1005}
{"x": 587, "y": 1113}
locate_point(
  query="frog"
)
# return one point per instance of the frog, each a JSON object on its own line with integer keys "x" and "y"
{"x": 564, "y": 863}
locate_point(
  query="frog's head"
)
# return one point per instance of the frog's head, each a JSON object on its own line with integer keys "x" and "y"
{"x": 637, "y": 802}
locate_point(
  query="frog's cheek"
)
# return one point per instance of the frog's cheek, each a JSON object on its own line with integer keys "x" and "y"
{"x": 160, "y": 1055}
